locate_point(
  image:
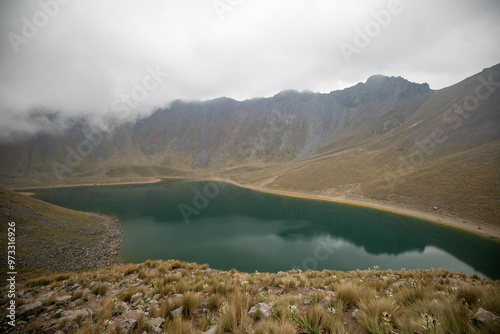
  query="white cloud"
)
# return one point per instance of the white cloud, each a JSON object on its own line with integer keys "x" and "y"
{"x": 89, "y": 53}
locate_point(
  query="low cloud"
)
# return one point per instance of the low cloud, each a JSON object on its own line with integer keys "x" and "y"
{"x": 62, "y": 61}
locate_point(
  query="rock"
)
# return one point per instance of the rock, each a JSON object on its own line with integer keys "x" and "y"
{"x": 135, "y": 298}
{"x": 435, "y": 208}
{"x": 211, "y": 330}
{"x": 86, "y": 294}
{"x": 156, "y": 324}
{"x": 76, "y": 302}
{"x": 330, "y": 293}
{"x": 28, "y": 309}
{"x": 177, "y": 312}
{"x": 94, "y": 285}
{"x": 58, "y": 332}
{"x": 210, "y": 271}
{"x": 45, "y": 297}
{"x": 73, "y": 314}
{"x": 62, "y": 300}
{"x": 264, "y": 308}
{"x": 486, "y": 318}
{"x": 325, "y": 301}
{"x": 122, "y": 306}
{"x": 355, "y": 314}
{"x": 128, "y": 325}
{"x": 177, "y": 295}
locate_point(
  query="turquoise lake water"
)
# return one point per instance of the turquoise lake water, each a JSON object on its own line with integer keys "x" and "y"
{"x": 232, "y": 227}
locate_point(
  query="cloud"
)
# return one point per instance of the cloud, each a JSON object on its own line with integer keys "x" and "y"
{"x": 85, "y": 59}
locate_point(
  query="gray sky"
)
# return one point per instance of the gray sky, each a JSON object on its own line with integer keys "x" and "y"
{"x": 120, "y": 60}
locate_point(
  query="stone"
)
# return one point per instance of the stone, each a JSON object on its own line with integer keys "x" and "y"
{"x": 122, "y": 306}
{"x": 212, "y": 330}
{"x": 177, "y": 312}
{"x": 128, "y": 326}
{"x": 29, "y": 309}
{"x": 156, "y": 325}
{"x": 435, "y": 208}
{"x": 73, "y": 315}
{"x": 62, "y": 300}
{"x": 45, "y": 297}
{"x": 330, "y": 293}
{"x": 486, "y": 318}
{"x": 325, "y": 301}
{"x": 94, "y": 285}
{"x": 86, "y": 294}
{"x": 264, "y": 308}
{"x": 355, "y": 314}
{"x": 135, "y": 298}
{"x": 177, "y": 295}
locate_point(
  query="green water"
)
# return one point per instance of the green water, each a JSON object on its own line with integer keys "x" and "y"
{"x": 231, "y": 227}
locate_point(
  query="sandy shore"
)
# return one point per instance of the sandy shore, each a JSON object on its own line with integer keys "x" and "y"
{"x": 470, "y": 226}
{"x": 474, "y": 227}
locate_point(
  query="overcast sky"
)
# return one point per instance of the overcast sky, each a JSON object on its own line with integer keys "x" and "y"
{"x": 121, "y": 59}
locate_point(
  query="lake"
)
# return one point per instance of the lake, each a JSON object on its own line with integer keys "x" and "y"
{"x": 228, "y": 227}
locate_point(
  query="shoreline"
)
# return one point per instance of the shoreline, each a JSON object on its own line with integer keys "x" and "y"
{"x": 471, "y": 227}
{"x": 482, "y": 230}
{"x": 88, "y": 184}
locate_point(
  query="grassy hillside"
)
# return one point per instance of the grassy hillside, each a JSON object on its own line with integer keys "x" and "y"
{"x": 176, "y": 297}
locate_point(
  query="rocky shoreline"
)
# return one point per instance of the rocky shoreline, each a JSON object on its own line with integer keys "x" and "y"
{"x": 54, "y": 239}
{"x": 78, "y": 254}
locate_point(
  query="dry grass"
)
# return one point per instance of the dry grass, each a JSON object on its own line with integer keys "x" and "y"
{"x": 302, "y": 302}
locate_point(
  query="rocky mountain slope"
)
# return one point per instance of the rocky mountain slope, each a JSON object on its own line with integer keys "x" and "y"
{"x": 384, "y": 140}
{"x": 51, "y": 238}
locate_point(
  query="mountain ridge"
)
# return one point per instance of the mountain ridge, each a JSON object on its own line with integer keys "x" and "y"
{"x": 395, "y": 138}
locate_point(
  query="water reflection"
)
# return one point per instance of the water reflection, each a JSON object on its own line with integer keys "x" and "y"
{"x": 250, "y": 231}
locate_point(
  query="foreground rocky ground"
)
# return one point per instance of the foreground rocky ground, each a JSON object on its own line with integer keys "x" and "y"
{"x": 176, "y": 297}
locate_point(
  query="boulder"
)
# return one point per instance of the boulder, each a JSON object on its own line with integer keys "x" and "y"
{"x": 128, "y": 326}
{"x": 264, "y": 308}
{"x": 29, "y": 309}
{"x": 325, "y": 301}
{"x": 72, "y": 315}
{"x": 94, "y": 285}
{"x": 486, "y": 318}
{"x": 177, "y": 312}
{"x": 62, "y": 300}
{"x": 211, "y": 330}
{"x": 355, "y": 314}
{"x": 122, "y": 306}
{"x": 45, "y": 297}
{"x": 156, "y": 325}
{"x": 135, "y": 298}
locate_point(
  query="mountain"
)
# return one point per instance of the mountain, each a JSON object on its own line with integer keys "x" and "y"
{"x": 386, "y": 140}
